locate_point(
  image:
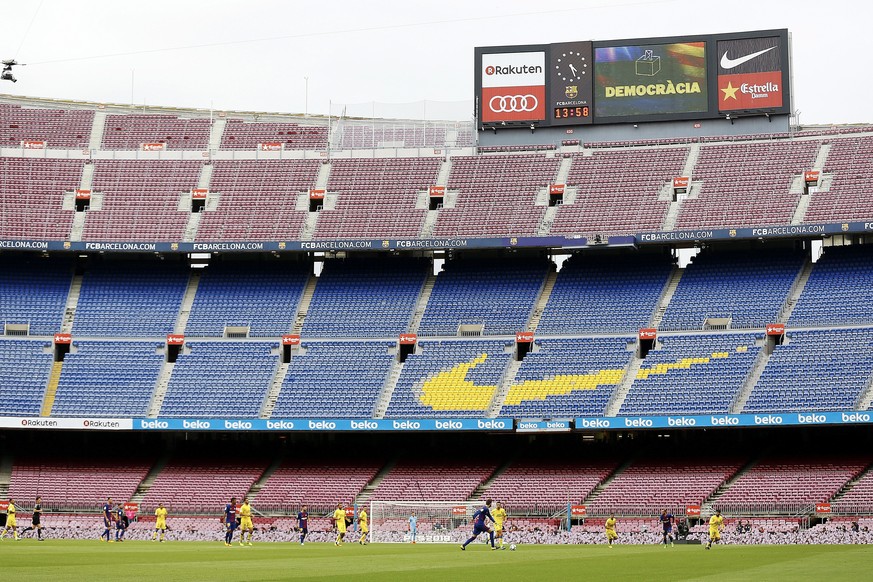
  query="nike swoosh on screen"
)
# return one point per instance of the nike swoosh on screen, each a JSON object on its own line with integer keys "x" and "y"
{"x": 727, "y": 63}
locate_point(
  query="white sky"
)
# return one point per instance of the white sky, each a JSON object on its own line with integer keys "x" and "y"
{"x": 386, "y": 51}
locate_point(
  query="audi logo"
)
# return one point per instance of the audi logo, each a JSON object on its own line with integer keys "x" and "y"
{"x": 513, "y": 103}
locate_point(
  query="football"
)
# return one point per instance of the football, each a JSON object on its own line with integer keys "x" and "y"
{"x": 511, "y": 547}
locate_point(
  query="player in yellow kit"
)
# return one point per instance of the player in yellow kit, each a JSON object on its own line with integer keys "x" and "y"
{"x": 364, "y": 524}
{"x": 339, "y": 518}
{"x": 245, "y": 522}
{"x": 499, "y": 515}
{"x": 160, "y": 522}
{"x": 10, "y": 521}
{"x": 716, "y": 524}
{"x": 611, "y": 534}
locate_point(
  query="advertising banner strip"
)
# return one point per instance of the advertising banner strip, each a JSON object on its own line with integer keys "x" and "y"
{"x": 38, "y": 422}
{"x": 304, "y": 424}
{"x": 551, "y": 425}
{"x": 724, "y": 420}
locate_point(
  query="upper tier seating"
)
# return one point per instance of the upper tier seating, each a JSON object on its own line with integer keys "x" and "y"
{"x": 34, "y": 292}
{"x": 262, "y": 296}
{"x": 108, "y": 379}
{"x": 337, "y": 380}
{"x": 619, "y": 192}
{"x": 32, "y": 197}
{"x": 496, "y": 195}
{"x": 850, "y": 161}
{"x": 376, "y": 196}
{"x": 242, "y": 135}
{"x": 59, "y": 128}
{"x": 839, "y": 290}
{"x": 131, "y": 130}
{"x": 257, "y": 200}
{"x": 365, "y": 298}
{"x": 497, "y": 294}
{"x": 605, "y": 294}
{"x": 24, "y": 371}
{"x": 221, "y": 379}
{"x": 747, "y": 287}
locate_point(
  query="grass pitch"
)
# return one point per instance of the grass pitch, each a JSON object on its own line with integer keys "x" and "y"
{"x": 62, "y": 560}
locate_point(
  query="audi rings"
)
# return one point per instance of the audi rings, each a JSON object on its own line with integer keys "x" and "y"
{"x": 513, "y": 103}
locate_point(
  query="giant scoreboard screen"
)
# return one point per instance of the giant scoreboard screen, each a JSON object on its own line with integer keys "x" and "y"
{"x": 650, "y": 79}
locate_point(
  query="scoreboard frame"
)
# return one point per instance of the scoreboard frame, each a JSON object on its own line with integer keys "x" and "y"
{"x": 583, "y": 93}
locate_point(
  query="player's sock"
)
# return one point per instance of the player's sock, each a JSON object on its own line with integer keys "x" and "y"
{"x": 39, "y": 532}
{"x": 469, "y": 541}
{"x": 491, "y": 537}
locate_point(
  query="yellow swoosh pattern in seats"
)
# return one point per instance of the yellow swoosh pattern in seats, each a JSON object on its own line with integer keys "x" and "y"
{"x": 450, "y": 390}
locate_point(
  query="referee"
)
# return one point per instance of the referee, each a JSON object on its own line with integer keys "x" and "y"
{"x": 35, "y": 519}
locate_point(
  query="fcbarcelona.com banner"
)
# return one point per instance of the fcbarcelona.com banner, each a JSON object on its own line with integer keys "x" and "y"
{"x": 343, "y": 425}
{"x": 723, "y": 420}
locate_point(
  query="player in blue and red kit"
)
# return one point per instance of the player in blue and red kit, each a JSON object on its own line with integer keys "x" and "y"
{"x": 303, "y": 523}
{"x": 230, "y": 523}
{"x": 121, "y": 523}
{"x": 667, "y": 525}
{"x": 108, "y": 520}
{"x": 479, "y": 525}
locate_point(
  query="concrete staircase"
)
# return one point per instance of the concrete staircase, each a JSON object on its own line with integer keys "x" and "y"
{"x": 545, "y": 225}
{"x": 865, "y": 399}
{"x": 303, "y": 306}
{"x": 595, "y": 493}
{"x": 751, "y": 380}
{"x": 503, "y": 388}
{"x": 421, "y": 305}
{"x": 85, "y": 182}
{"x": 671, "y": 216}
{"x": 428, "y": 224}
{"x": 187, "y": 302}
{"x": 706, "y": 506}
{"x": 691, "y": 160}
{"x": 630, "y": 374}
{"x": 387, "y": 391}
{"x": 563, "y": 171}
{"x": 850, "y": 485}
{"x": 149, "y": 479}
{"x": 272, "y": 394}
{"x": 262, "y": 480}
{"x": 666, "y": 296}
{"x": 479, "y": 492}
{"x": 367, "y": 492}
{"x": 795, "y": 292}
{"x": 323, "y": 176}
{"x": 157, "y": 400}
{"x": 51, "y": 389}
{"x": 216, "y": 132}
{"x": 798, "y": 186}
{"x": 5, "y": 475}
{"x": 72, "y": 303}
{"x": 95, "y": 140}
{"x": 542, "y": 301}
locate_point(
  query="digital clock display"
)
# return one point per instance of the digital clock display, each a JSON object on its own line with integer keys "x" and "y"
{"x": 572, "y": 112}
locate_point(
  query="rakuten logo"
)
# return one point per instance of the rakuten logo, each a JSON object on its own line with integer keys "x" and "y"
{"x": 513, "y": 70}
{"x": 153, "y": 424}
{"x": 196, "y": 424}
{"x": 280, "y": 424}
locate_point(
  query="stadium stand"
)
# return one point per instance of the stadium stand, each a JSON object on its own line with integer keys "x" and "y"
{"x": 24, "y": 371}
{"x": 850, "y": 164}
{"x": 315, "y": 483}
{"x": 336, "y": 380}
{"x": 131, "y": 130}
{"x": 242, "y": 135}
{"x": 498, "y": 295}
{"x": 261, "y": 296}
{"x": 376, "y": 196}
{"x": 32, "y": 196}
{"x": 34, "y": 293}
{"x": 547, "y": 485}
{"x": 618, "y": 191}
{"x": 140, "y": 200}
{"x": 201, "y": 485}
{"x": 859, "y": 497}
{"x": 496, "y": 195}
{"x": 568, "y": 377}
{"x": 748, "y": 288}
{"x": 605, "y": 294}
{"x": 112, "y": 379}
{"x": 220, "y": 379}
{"x": 453, "y": 378}
{"x": 439, "y": 480}
{"x": 129, "y": 298}
{"x": 815, "y": 370}
{"x": 66, "y": 483}
{"x": 59, "y": 128}
{"x": 257, "y": 200}
{"x": 365, "y": 298}
{"x": 746, "y": 184}
{"x": 788, "y": 483}
{"x": 839, "y": 290}
{"x": 692, "y": 374}
{"x": 357, "y": 136}
{"x": 647, "y": 486}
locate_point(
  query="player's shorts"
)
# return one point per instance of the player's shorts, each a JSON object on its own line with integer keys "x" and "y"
{"x": 365, "y": 528}
{"x": 341, "y": 527}
{"x": 303, "y": 530}
{"x": 611, "y": 535}
{"x": 106, "y": 523}
{"x": 10, "y": 521}
{"x": 480, "y": 528}
{"x": 120, "y": 525}
{"x": 714, "y": 534}
{"x": 231, "y": 525}
{"x": 246, "y": 523}
{"x": 498, "y": 528}
{"x": 34, "y": 521}
{"x": 160, "y": 524}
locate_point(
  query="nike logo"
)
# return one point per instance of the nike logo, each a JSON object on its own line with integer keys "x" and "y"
{"x": 727, "y": 63}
